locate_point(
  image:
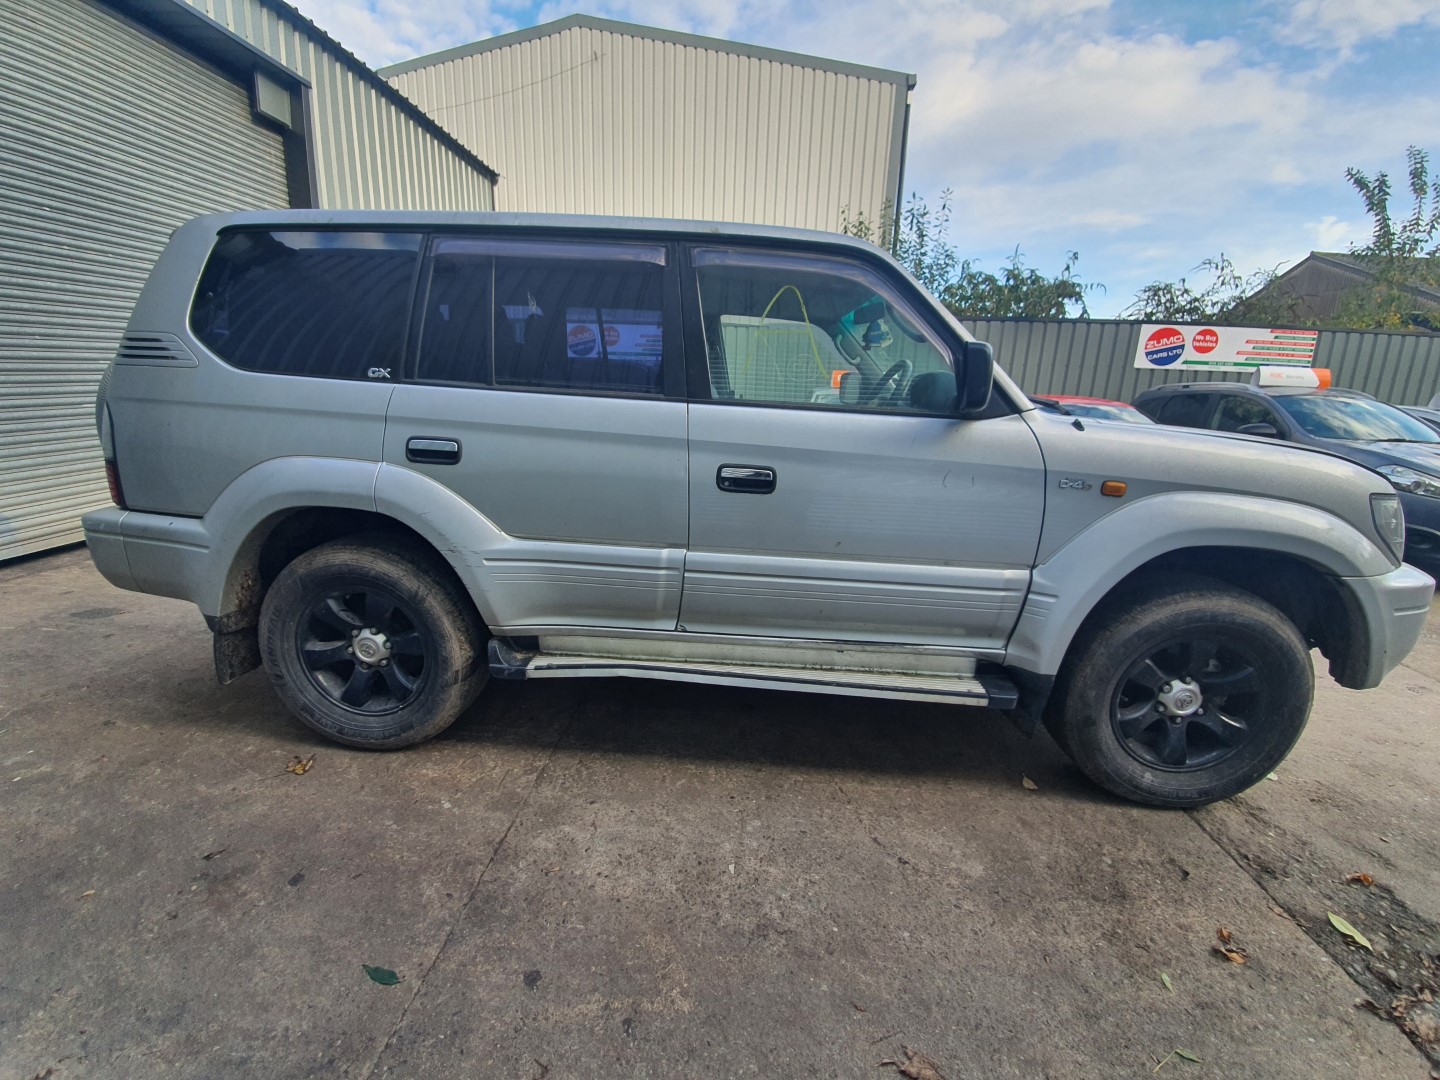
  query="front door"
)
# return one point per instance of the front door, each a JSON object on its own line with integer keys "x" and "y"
{"x": 547, "y": 395}
{"x": 831, "y": 497}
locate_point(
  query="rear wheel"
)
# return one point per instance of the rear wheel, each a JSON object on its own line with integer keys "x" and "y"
{"x": 371, "y": 643}
{"x": 1181, "y": 697}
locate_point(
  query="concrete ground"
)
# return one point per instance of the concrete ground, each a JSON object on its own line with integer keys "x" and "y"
{"x": 617, "y": 878}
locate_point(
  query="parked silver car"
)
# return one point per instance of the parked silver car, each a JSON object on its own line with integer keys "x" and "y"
{"x": 392, "y": 455}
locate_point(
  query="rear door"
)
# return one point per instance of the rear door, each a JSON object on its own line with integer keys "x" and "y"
{"x": 547, "y": 395}
{"x": 831, "y": 497}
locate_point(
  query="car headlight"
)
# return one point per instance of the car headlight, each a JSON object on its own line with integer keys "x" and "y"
{"x": 1389, "y": 518}
{"x": 1404, "y": 478}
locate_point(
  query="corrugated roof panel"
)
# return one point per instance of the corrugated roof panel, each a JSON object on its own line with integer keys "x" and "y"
{"x": 359, "y": 132}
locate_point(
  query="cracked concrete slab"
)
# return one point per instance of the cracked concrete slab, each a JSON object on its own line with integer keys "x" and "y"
{"x": 694, "y": 882}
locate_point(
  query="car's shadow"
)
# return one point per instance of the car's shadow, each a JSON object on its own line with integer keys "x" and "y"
{"x": 692, "y": 722}
{"x": 768, "y": 728}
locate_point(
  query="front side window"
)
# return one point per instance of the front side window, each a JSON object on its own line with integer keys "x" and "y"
{"x": 330, "y": 304}
{"x": 1354, "y": 419}
{"x": 816, "y": 331}
{"x": 1238, "y": 410}
{"x": 545, "y": 315}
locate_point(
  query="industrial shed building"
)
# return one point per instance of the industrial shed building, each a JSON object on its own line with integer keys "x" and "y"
{"x": 120, "y": 119}
{"x": 1320, "y": 285}
{"x": 587, "y": 115}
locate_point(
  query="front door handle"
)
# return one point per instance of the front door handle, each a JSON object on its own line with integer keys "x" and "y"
{"x": 431, "y": 451}
{"x": 746, "y": 479}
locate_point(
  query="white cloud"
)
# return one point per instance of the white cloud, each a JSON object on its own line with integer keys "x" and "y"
{"x": 384, "y": 32}
{"x": 1332, "y": 234}
{"x": 1059, "y": 125}
{"x": 1343, "y": 24}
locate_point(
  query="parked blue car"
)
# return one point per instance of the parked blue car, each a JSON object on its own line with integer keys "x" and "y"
{"x": 1400, "y": 446}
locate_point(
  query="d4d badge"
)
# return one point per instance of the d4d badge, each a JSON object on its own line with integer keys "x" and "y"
{"x": 1071, "y": 483}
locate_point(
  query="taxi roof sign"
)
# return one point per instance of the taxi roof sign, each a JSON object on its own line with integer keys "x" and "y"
{"x": 1291, "y": 375}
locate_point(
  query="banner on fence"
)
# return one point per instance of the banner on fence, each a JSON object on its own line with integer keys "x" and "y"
{"x": 1222, "y": 348}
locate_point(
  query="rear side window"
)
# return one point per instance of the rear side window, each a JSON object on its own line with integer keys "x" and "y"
{"x": 1187, "y": 410}
{"x": 545, "y": 315}
{"x": 330, "y": 304}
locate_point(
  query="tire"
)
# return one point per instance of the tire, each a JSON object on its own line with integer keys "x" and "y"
{"x": 372, "y": 598}
{"x": 1124, "y": 713}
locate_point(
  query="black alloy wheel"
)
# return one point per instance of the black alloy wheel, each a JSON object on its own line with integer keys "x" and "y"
{"x": 372, "y": 641}
{"x": 1189, "y": 704}
{"x": 363, "y": 650}
{"x": 1179, "y": 694}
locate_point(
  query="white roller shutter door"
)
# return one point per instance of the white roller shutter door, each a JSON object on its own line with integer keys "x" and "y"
{"x": 109, "y": 139}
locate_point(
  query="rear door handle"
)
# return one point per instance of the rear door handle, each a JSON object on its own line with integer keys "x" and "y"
{"x": 746, "y": 479}
{"x": 430, "y": 451}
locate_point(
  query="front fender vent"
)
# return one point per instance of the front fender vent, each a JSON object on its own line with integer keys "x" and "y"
{"x": 154, "y": 350}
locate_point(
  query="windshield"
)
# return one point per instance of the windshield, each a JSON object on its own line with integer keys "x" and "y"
{"x": 1353, "y": 419}
{"x": 1107, "y": 412}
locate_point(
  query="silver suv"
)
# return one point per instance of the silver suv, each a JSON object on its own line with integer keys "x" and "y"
{"x": 393, "y": 455}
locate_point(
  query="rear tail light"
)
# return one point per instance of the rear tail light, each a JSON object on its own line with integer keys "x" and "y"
{"x": 112, "y": 478}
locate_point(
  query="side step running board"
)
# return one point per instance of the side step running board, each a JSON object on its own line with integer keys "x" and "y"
{"x": 984, "y": 690}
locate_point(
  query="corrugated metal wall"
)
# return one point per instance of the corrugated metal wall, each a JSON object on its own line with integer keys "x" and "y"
{"x": 1097, "y": 357}
{"x": 369, "y": 155}
{"x": 592, "y": 121}
{"x": 108, "y": 141}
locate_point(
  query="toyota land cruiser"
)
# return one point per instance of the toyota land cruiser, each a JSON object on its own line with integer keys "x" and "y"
{"x": 393, "y": 455}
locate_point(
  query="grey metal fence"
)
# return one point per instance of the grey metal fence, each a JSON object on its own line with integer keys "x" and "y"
{"x": 1097, "y": 357}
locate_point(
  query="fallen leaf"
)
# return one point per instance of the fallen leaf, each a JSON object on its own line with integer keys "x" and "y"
{"x": 87, "y": 894}
{"x": 1361, "y": 878}
{"x": 1166, "y": 980}
{"x": 1276, "y": 909}
{"x": 917, "y": 1066}
{"x": 1355, "y": 936}
{"x": 300, "y": 766}
{"x": 1223, "y": 934}
{"x": 1424, "y": 1027}
{"x": 1028, "y": 784}
{"x": 383, "y": 976}
{"x": 857, "y": 1007}
{"x": 211, "y": 854}
{"x": 1233, "y": 953}
{"x": 1176, "y": 1053}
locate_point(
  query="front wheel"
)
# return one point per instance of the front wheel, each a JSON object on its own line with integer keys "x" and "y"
{"x": 371, "y": 643}
{"x": 1181, "y": 697}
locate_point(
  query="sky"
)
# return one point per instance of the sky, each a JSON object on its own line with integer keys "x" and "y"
{"x": 1146, "y": 135}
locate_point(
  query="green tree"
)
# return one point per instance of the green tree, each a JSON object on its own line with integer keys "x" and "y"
{"x": 1229, "y": 297}
{"x": 920, "y": 243}
{"x": 1415, "y": 236}
{"x": 1018, "y": 291}
{"x": 1402, "y": 254}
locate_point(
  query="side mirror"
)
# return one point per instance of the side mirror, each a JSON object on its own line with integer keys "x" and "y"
{"x": 974, "y": 379}
{"x": 1264, "y": 430}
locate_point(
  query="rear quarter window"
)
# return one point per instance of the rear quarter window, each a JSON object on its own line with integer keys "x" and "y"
{"x": 1187, "y": 410}
{"x": 328, "y": 304}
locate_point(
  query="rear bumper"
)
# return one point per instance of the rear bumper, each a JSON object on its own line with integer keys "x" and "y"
{"x": 1394, "y": 607}
{"x": 151, "y": 553}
